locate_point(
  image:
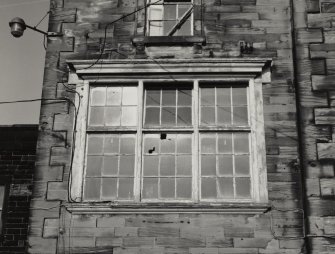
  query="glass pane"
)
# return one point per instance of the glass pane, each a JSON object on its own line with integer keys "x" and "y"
{"x": 167, "y": 26}
{"x": 150, "y": 167}
{"x": 184, "y": 97}
{"x": 92, "y": 188}
{"x": 167, "y": 188}
{"x": 184, "y": 188}
{"x": 155, "y": 28}
{"x": 111, "y": 144}
{"x": 109, "y": 188}
{"x": 114, "y": 96}
{"x": 223, "y": 96}
{"x": 150, "y": 188}
{"x": 242, "y": 164}
{"x": 241, "y": 143}
{"x": 127, "y": 165}
{"x": 153, "y": 97}
{"x": 95, "y": 144}
{"x": 240, "y": 115}
{"x": 111, "y": 165}
{"x": 96, "y": 116}
{"x": 184, "y": 144}
{"x": 167, "y": 166}
{"x": 168, "y": 116}
{"x": 151, "y": 144}
{"x": 98, "y": 96}
{"x": 240, "y": 96}
{"x": 184, "y": 165}
{"x": 129, "y": 95}
{"x": 156, "y": 12}
{"x": 208, "y": 165}
{"x": 225, "y": 143}
{"x": 94, "y": 165}
{"x": 126, "y": 188}
{"x": 168, "y": 144}
{"x": 208, "y": 144}
{"x": 129, "y": 116}
{"x": 182, "y": 9}
{"x": 243, "y": 187}
{"x": 112, "y": 116}
{"x": 185, "y": 29}
{"x": 207, "y": 115}
{"x": 152, "y": 116}
{"x": 169, "y": 97}
{"x": 127, "y": 145}
{"x": 225, "y": 165}
{"x": 170, "y": 11}
{"x": 208, "y": 187}
{"x": 2, "y": 196}
{"x": 184, "y": 116}
{"x": 226, "y": 188}
{"x": 224, "y": 115}
{"x": 207, "y": 96}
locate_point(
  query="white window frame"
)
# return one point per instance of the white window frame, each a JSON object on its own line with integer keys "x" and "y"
{"x": 161, "y": 5}
{"x": 255, "y": 72}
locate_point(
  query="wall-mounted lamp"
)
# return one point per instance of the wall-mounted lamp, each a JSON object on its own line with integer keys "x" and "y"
{"x": 17, "y": 26}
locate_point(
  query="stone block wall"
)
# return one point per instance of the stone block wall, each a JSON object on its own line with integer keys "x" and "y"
{"x": 266, "y": 24}
{"x": 17, "y": 159}
{"x": 315, "y": 37}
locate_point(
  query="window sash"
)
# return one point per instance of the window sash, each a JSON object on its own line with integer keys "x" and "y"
{"x": 196, "y": 129}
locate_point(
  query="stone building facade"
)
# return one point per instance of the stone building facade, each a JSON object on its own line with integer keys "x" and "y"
{"x": 125, "y": 80}
{"x": 17, "y": 159}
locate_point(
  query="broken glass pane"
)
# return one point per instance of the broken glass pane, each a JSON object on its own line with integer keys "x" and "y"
{"x": 168, "y": 144}
{"x": 151, "y": 144}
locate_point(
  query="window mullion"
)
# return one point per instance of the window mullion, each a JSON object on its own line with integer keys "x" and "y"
{"x": 195, "y": 152}
{"x": 138, "y": 169}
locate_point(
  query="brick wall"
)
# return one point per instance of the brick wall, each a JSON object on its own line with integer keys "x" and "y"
{"x": 315, "y": 35}
{"x": 17, "y": 159}
{"x": 266, "y": 24}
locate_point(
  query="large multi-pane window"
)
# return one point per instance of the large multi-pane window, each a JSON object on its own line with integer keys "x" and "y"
{"x": 169, "y": 18}
{"x": 169, "y": 141}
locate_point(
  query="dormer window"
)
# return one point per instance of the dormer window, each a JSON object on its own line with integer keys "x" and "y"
{"x": 170, "y": 18}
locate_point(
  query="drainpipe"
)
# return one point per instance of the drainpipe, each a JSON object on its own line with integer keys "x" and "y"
{"x": 299, "y": 129}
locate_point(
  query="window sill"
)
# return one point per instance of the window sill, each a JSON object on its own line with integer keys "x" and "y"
{"x": 164, "y": 208}
{"x": 168, "y": 40}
